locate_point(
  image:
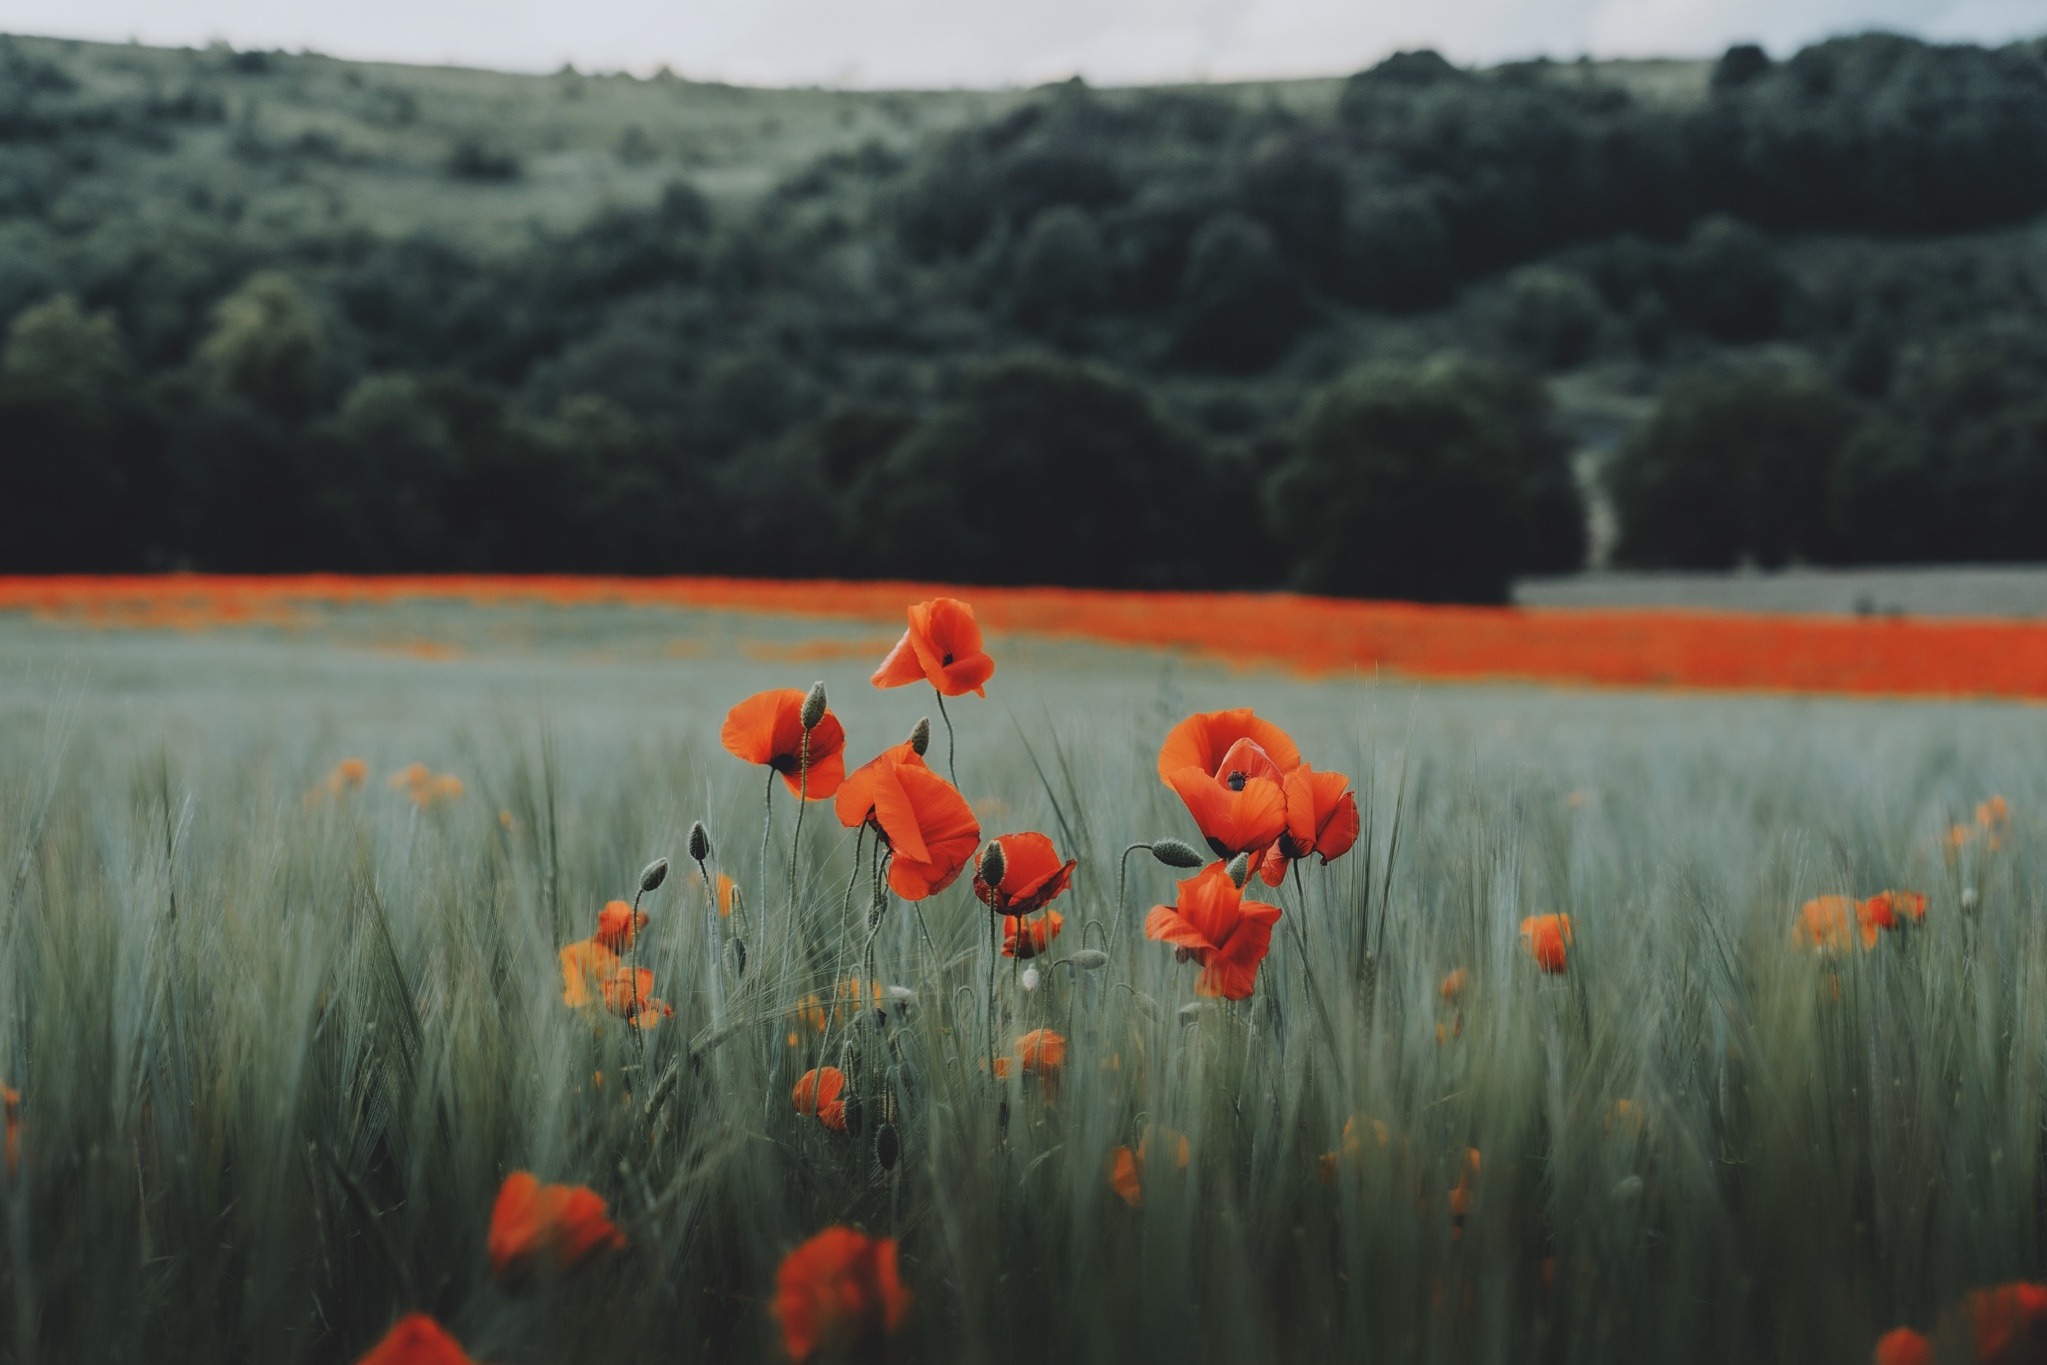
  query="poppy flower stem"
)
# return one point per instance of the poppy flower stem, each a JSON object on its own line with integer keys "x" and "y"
{"x": 1308, "y": 963}
{"x": 717, "y": 946}
{"x": 1122, "y": 874}
{"x": 802, "y": 800}
{"x": 767, "y": 825}
{"x": 951, "y": 752}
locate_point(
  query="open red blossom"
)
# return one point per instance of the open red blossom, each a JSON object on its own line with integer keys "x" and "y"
{"x": 618, "y": 923}
{"x": 2009, "y": 1323}
{"x": 628, "y": 993}
{"x": 1203, "y": 739}
{"x": 1903, "y": 1346}
{"x": 586, "y": 965}
{"x": 838, "y": 1291}
{"x": 1032, "y": 875}
{"x": 1321, "y": 818}
{"x": 1888, "y": 906}
{"x": 818, "y": 1095}
{"x": 1041, "y": 1052}
{"x": 1026, "y": 938}
{"x": 1225, "y": 933}
{"x": 1547, "y": 937}
{"x": 930, "y": 830}
{"x": 942, "y": 647}
{"x": 416, "y": 1339}
{"x": 1240, "y": 807}
{"x": 767, "y": 728}
{"x": 546, "y": 1228}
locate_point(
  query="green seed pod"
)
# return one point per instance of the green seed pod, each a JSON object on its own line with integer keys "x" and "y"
{"x": 920, "y": 736}
{"x": 1176, "y": 853}
{"x": 813, "y": 706}
{"x": 653, "y": 875}
{"x": 1240, "y": 869}
{"x": 699, "y": 842}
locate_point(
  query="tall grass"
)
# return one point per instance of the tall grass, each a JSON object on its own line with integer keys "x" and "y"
{"x": 275, "y": 1057}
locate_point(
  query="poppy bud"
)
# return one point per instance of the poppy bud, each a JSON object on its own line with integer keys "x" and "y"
{"x": 1175, "y": 853}
{"x": 887, "y": 1146}
{"x": 739, "y": 957}
{"x": 653, "y": 875}
{"x": 994, "y": 864}
{"x": 699, "y": 842}
{"x": 1240, "y": 869}
{"x": 1090, "y": 958}
{"x": 813, "y": 706}
{"x": 920, "y": 735}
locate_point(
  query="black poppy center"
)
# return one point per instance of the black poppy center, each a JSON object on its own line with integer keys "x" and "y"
{"x": 948, "y": 661}
{"x": 1236, "y": 781}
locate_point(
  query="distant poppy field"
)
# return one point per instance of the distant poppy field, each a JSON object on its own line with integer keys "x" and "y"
{"x": 499, "y": 1003}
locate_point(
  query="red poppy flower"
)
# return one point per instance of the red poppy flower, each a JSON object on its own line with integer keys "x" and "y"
{"x": 941, "y": 647}
{"x": 1126, "y": 1167}
{"x": 1321, "y": 818}
{"x": 1903, "y": 1346}
{"x": 617, "y": 924}
{"x": 1832, "y": 924}
{"x": 1886, "y": 906}
{"x": 1453, "y": 984}
{"x": 839, "y": 1291}
{"x": 536, "y": 1227}
{"x": 818, "y": 1095}
{"x": 1225, "y": 933}
{"x": 2009, "y": 1323}
{"x": 1041, "y": 1052}
{"x": 416, "y": 1339}
{"x": 1026, "y": 938}
{"x": 1201, "y": 741}
{"x": 628, "y": 993}
{"x": 586, "y": 965}
{"x": 930, "y": 830}
{"x": 1547, "y": 937}
{"x": 767, "y": 728}
{"x": 1032, "y": 875}
{"x": 1241, "y": 807}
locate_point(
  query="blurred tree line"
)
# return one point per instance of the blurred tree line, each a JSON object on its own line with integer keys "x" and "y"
{"x": 1152, "y": 338}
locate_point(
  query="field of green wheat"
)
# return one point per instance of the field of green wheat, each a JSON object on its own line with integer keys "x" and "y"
{"x": 280, "y": 1026}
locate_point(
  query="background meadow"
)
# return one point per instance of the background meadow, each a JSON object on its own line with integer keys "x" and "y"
{"x": 275, "y": 1054}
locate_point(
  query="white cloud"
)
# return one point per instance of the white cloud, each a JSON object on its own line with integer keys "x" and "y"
{"x": 998, "y": 42}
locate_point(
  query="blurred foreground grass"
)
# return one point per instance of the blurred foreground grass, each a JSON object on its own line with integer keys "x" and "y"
{"x": 275, "y": 1056}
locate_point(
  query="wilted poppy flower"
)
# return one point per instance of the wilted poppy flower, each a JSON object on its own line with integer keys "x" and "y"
{"x": 416, "y": 1339}
{"x": 942, "y": 647}
{"x": 1032, "y": 875}
{"x": 10, "y": 1113}
{"x": 930, "y": 830}
{"x": 1026, "y": 938}
{"x": 1225, "y": 933}
{"x": 628, "y": 993}
{"x": 2009, "y": 1323}
{"x": 839, "y": 1291}
{"x": 1126, "y": 1167}
{"x": 1321, "y": 818}
{"x": 1202, "y": 740}
{"x": 1041, "y": 1052}
{"x": 546, "y": 1228}
{"x": 617, "y": 925}
{"x": 1547, "y": 937}
{"x": 767, "y": 728}
{"x": 818, "y": 1095}
{"x": 586, "y": 966}
{"x": 1903, "y": 1346}
{"x": 1241, "y": 807}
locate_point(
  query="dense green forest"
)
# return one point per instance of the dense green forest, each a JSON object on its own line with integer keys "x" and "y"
{"x": 1407, "y": 333}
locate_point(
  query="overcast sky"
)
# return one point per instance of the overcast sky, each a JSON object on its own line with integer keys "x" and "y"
{"x": 1000, "y": 42}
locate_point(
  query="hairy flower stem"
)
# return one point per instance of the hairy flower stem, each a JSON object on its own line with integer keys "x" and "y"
{"x": 717, "y": 947}
{"x": 802, "y": 800}
{"x": 1122, "y": 873}
{"x": 767, "y": 825}
{"x": 951, "y": 753}
{"x": 632, "y": 924}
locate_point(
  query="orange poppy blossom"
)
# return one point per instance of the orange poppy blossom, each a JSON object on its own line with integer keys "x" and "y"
{"x": 586, "y": 965}
{"x": 1321, "y": 818}
{"x": 1032, "y": 875}
{"x": 628, "y": 993}
{"x": 838, "y": 1291}
{"x": 1833, "y": 924}
{"x": 425, "y": 787}
{"x": 1351, "y": 1146}
{"x": 767, "y": 728}
{"x": 1204, "y": 738}
{"x": 1241, "y": 806}
{"x": 1453, "y": 984}
{"x": 546, "y": 1228}
{"x": 1226, "y": 934}
{"x": 1547, "y": 937}
{"x": 927, "y": 825}
{"x": 1126, "y": 1167}
{"x": 839, "y": 1006}
{"x": 817, "y": 1095}
{"x": 347, "y": 775}
{"x": 1027, "y": 938}
{"x": 2008, "y": 1323}
{"x": 942, "y": 646}
{"x": 1041, "y": 1052}
{"x": 1889, "y": 906}
{"x": 1460, "y": 1194}
{"x": 618, "y": 924}
{"x": 1903, "y": 1346}
{"x": 416, "y": 1339}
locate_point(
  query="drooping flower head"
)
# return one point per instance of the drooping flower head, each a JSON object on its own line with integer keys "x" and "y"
{"x": 1032, "y": 875}
{"x": 1203, "y": 739}
{"x": 942, "y": 647}
{"x": 1548, "y": 937}
{"x": 1241, "y": 806}
{"x": 1226, "y": 934}
{"x": 819, "y": 1095}
{"x": 767, "y": 728}
{"x": 536, "y": 1228}
{"x": 930, "y": 830}
{"x": 1027, "y": 938}
{"x": 839, "y": 1291}
{"x": 416, "y": 1339}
